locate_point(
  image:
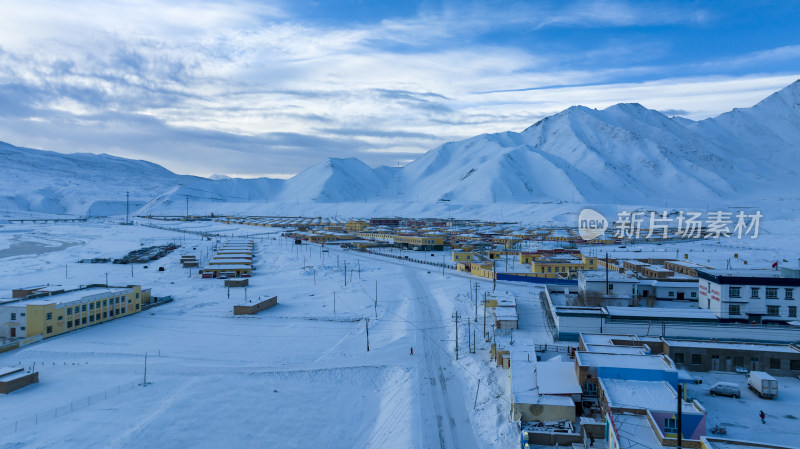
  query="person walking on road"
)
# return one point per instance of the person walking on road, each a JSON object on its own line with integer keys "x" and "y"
{"x": 412, "y": 350}
{"x": 762, "y": 416}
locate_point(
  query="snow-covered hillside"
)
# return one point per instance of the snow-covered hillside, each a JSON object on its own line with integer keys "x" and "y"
{"x": 83, "y": 184}
{"x": 624, "y": 154}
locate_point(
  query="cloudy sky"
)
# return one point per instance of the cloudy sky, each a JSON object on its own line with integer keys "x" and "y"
{"x": 251, "y": 88}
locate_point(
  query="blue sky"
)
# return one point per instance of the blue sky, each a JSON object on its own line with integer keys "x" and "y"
{"x": 269, "y": 88}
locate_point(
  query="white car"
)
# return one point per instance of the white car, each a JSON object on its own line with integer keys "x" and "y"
{"x": 725, "y": 389}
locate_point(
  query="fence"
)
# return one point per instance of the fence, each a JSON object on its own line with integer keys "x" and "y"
{"x": 75, "y": 405}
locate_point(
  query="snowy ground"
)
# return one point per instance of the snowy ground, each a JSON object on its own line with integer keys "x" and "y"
{"x": 295, "y": 375}
{"x": 740, "y": 416}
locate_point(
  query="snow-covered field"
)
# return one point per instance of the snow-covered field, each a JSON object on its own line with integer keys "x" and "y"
{"x": 298, "y": 374}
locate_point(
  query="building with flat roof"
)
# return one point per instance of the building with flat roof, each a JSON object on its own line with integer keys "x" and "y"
{"x": 63, "y": 312}
{"x": 753, "y": 296}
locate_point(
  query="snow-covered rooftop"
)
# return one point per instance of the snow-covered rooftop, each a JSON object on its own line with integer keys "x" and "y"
{"x": 641, "y": 395}
{"x": 557, "y": 378}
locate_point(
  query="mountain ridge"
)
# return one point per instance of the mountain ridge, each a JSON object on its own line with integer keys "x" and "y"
{"x": 625, "y": 153}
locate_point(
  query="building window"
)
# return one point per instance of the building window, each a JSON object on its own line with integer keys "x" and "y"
{"x": 773, "y": 310}
{"x": 49, "y": 315}
{"x": 137, "y": 306}
{"x": 697, "y": 359}
{"x": 49, "y": 329}
{"x": 789, "y": 293}
{"x": 13, "y": 316}
{"x": 97, "y": 317}
{"x": 137, "y": 296}
{"x": 793, "y": 311}
{"x": 91, "y": 318}
{"x": 774, "y": 363}
{"x": 794, "y": 365}
{"x": 671, "y": 294}
{"x": 772, "y": 293}
{"x": 678, "y": 357}
{"x": 694, "y": 295}
{"x": 105, "y": 303}
{"x": 60, "y": 317}
{"x": 734, "y": 292}
{"x": 91, "y": 306}
{"x": 734, "y": 309}
{"x": 105, "y": 314}
{"x": 69, "y": 324}
{"x": 83, "y": 320}
{"x": 590, "y": 389}
{"x": 77, "y": 323}
{"x": 83, "y": 307}
{"x": 610, "y": 287}
{"x": 754, "y": 292}
{"x": 670, "y": 425}
{"x": 69, "y": 310}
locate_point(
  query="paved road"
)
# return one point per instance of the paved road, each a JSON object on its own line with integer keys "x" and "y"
{"x": 443, "y": 412}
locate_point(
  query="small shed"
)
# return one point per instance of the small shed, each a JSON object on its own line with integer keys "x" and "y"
{"x": 255, "y": 307}
{"x": 14, "y": 378}
{"x": 237, "y": 282}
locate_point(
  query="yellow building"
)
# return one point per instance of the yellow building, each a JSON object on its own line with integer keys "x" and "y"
{"x": 562, "y": 266}
{"x": 353, "y": 226}
{"x": 64, "y": 312}
{"x": 462, "y": 256}
{"x": 423, "y": 243}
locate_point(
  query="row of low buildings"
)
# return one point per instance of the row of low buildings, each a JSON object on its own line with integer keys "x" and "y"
{"x": 232, "y": 258}
{"x": 621, "y": 389}
{"x": 746, "y": 296}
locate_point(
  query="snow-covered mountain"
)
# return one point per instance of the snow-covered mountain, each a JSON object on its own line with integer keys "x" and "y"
{"x": 80, "y": 183}
{"x": 624, "y": 154}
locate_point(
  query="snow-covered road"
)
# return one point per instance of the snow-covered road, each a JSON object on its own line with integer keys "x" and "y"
{"x": 442, "y": 399}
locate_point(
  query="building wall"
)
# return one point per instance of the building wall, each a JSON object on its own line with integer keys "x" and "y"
{"x": 542, "y": 412}
{"x": 730, "y": 359}
{"x": 54, "y": 319}
{"x": 717, "y": 298}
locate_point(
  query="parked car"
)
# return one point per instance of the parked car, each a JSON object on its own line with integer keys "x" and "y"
{"x": 763, "y": 384}
{"x": 726, "y": 389}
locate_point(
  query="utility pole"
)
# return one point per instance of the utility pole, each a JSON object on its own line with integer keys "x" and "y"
{"x": 345, "y": 273}
{"x": 359, "y": 269}
{"x": 106, "y": 279}
{"x": 476, "y": 302}
{"x": 484, "y": 314}
{"x": 376, "y": 300}
{"x": 367, "y": 323}
{"x": 680, "y": 402}
{"x": 456, "y": 334}
{"x": 314, "y": 271}
{"x": 606, "y": 273}
{"x": 127, "y": 207}
{"x": 474, "y": 406}
{"x": 469, "y": 336}
{"x": 187, "y": 207}
{"x": 494, "y": 275}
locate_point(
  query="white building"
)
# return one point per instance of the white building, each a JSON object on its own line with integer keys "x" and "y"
{"x": 753, "y": 296}
{"x": 595, "y": 282}
{"x": 668, "y": 289}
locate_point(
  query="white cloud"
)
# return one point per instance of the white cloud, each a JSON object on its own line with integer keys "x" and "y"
{"x": 251, "y": 72}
